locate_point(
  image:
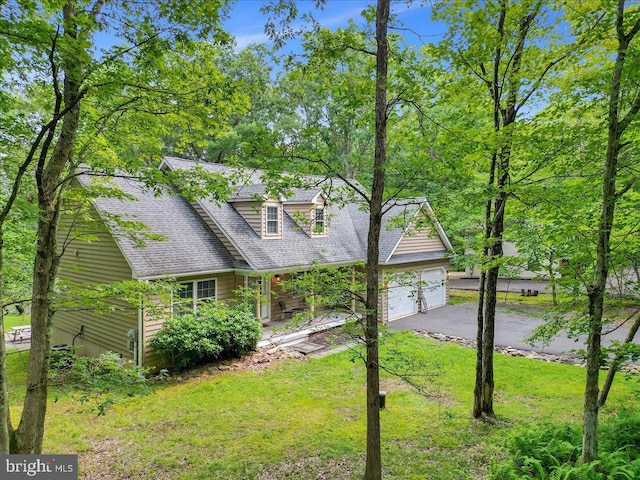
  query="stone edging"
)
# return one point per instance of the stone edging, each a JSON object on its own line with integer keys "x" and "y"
{"x": 570, "y": 359}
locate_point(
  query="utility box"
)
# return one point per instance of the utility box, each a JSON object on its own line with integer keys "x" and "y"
{"x": 132, "y": 344}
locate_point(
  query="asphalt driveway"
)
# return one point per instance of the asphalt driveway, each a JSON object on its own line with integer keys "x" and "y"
{"x": 511, "y": 330}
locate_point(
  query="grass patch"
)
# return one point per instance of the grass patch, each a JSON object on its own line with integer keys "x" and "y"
{"x": 508, "y": 302}
{"x": 17, "y": 365}
{"x": 14, "y": 320}
{"x": 306, "y": 420}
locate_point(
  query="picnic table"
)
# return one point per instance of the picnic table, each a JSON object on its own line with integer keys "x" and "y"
{"x": 21, "y": 332}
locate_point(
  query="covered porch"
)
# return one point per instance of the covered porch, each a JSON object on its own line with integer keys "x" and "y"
{"x": 278, "y": 300}
{"x": 286, "y": 332}
{"x": 290, "y": 312}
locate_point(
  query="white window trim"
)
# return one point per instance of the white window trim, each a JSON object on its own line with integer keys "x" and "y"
{"x": 277, "y": 233}
{"x": 194, "y": 295}
{"x": 315, "y": 229}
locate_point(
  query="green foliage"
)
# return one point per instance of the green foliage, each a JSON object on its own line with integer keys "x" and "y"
{"x": 548, "y": 451}
{"x": 97, "y": 383}
{"x": 215, "y": 331}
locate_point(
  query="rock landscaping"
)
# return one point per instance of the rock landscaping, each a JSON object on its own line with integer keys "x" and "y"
{"x": 571, "y": 359}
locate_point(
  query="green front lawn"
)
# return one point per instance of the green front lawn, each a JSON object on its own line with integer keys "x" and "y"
{"x": 305, "y": 419}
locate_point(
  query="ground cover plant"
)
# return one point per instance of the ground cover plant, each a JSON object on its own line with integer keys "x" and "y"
{"x": 547, "y": 451}
{"x": 305, "y": 419}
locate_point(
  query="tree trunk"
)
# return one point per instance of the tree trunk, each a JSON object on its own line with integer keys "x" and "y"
{"x": 615, "y": 364}
{"x": 31, "y": 428}
{"x": 477, "y": 390}
{"x": 30, "y": 431}
{"x": 616, "y": 128}
{"x": 5, "y": 423}
{"x": 552, "y": 278}
{"x": 488, "y": 336}
{"x": 373, "y": 467}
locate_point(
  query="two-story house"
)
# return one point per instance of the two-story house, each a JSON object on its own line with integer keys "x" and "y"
{"x": 252, "y": 239}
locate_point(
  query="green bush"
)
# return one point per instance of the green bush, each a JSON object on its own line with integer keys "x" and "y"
{"x": 553, "y": 452}
{"x": 216, "y": 331}
{"x": 97, "y": 383}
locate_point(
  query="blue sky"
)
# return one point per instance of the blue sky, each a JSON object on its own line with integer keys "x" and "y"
{"x": 246, "y": 22}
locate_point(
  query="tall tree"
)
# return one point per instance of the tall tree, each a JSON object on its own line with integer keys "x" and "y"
{"x": 373, "y": 468}
{"x": 311, "y": 147}
{"x": 623, "y": 108}
{"x": 52, "y": 49}
{"x": 501, "y": 61}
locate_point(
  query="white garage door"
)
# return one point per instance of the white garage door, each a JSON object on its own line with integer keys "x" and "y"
{"x": 434, "y": 288}
{"x": 402, "y": 300}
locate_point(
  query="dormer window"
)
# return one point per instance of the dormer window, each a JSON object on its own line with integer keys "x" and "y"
{"x": 320, "y": 221}
{"x": 273, "y": 223}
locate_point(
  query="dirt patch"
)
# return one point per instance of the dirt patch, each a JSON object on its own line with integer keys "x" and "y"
{"x": 330, "y": 338}
{"x": 259, "y": 360}
{"x": 313, "y": 468}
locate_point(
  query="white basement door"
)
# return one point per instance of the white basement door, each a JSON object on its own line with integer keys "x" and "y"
{"x": 434, "y": 288}
{"x": 401, "y": 300}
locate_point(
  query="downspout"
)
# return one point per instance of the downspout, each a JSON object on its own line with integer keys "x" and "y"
{"x": 138, "y": 361}
{"x": 73, "y": 342}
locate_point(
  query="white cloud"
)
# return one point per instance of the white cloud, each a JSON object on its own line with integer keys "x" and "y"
{"x": 243, "y": 41}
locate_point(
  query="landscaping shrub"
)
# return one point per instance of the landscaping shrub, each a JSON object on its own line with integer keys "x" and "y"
{"x": 215, "y": 331}
{"x": 97, "y": 383}
{"x": 552, "y": 452}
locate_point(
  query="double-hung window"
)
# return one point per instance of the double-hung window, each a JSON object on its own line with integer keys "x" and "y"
{"x": 320, "y": 224}
{"x": 187, "y": 295}
{"x": 273, "y": 223}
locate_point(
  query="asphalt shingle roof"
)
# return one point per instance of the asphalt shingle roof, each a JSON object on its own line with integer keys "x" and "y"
{"x": 192, "y": 247}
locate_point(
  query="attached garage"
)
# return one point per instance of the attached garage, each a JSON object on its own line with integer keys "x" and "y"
{"x": 402, "y": 300}
{"x": 434, "y": 288}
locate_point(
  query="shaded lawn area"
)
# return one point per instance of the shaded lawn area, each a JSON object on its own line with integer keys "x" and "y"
{"x": 306, "y": 420}
{"x": 14, "y": 320}
{"x": 617, "y": 309}
{"x": 508, "y": 302}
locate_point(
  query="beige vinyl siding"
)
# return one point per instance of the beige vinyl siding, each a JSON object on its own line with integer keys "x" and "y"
{"x": 226, "y": 284}
{"x": 97, "y": 261}
{"x": 300, "y": 213}
{"x": 417, "y": 267}
{"x": 216, "y": 231}
{"x": 252, "y": 213}
{"x": 304, "y": 215}
{"x": 415, "y": 242}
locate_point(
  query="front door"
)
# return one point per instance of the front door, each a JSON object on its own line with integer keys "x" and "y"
{"x": 263, "y": 305}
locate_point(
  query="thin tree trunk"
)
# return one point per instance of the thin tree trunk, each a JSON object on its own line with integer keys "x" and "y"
{"x": 477, "y": 390}
{"x": 31, "y": 428}
{"x": 615, "y": 364}
{"x": 597, "y": 290}
{"x": 30, "y": 431}
{"x": 373, "y": 467}
{"x": 552, "y": 278}
{"x": 5, "y": 426}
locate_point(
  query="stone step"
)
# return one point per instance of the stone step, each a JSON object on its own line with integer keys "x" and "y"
{"x": 306, "y": 347}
